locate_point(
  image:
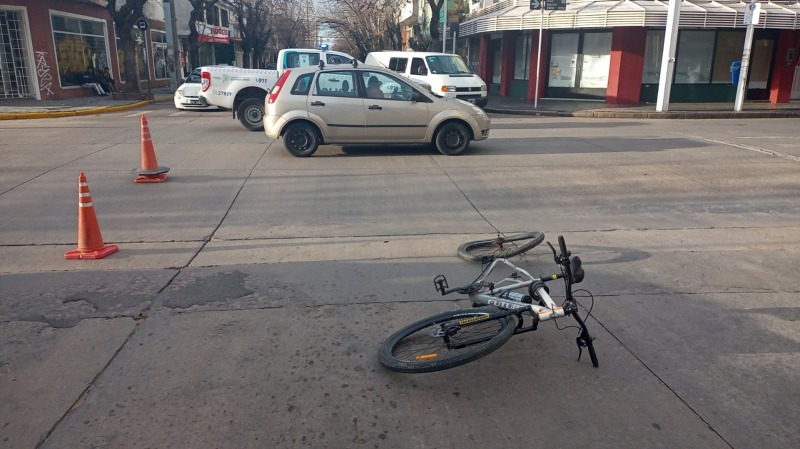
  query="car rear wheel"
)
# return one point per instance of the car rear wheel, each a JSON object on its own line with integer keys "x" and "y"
{"x": 452, "y": 139}
{"x": 301, "y": 140}
{"x": 251, "y": 114}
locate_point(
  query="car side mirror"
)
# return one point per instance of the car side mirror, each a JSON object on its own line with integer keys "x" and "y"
{"x": 181, "y": 81}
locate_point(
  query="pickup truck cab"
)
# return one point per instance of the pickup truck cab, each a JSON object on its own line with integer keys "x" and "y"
{"x": 243, "y": 91}
{"x": 448, "y": 75}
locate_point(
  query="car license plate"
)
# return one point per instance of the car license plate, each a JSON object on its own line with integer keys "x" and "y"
{"x": 194, "y": 101}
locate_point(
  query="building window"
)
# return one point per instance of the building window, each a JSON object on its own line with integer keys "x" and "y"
{"x": 563, "y": 59}
{"x": 654, "y": 47}
{"x": 223, "y": 13}
{"x": 80, "y": 43}
{"x": 522, "y": 57}
{"x": 693, "y": 63}
{"x": 160, "y": 54}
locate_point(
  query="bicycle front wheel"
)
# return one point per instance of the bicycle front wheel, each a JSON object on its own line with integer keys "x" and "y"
{"x": 446, "y": 340}
{"x": 500, "y": 247}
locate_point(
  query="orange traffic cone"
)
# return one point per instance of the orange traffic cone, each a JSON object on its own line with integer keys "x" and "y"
{"x": 90, "y": 241}
{"x": 150, "y": 171}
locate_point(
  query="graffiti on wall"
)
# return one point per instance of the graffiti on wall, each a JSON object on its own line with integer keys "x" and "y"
{"x": 74, "y": 56}
{"x": 43, "y": 70}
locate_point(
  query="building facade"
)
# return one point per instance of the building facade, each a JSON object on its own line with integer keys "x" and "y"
{"x": 612, "y": 50}
{"x": 47, "y": 45}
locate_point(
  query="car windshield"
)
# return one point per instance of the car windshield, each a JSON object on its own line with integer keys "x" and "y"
{"x": 448, "y": 65}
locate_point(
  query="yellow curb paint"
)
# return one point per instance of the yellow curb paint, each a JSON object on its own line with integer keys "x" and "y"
{"x": 57, "y": 114}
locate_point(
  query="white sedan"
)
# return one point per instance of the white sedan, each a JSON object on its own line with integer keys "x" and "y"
{"x": 186, "y": 97}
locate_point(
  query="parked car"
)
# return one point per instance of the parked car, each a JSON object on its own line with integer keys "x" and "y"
{"x": 186, "y": 96}
{"x": 362, "y": 104}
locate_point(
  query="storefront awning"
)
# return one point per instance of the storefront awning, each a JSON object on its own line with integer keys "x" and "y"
{"x": 517, "y": 15}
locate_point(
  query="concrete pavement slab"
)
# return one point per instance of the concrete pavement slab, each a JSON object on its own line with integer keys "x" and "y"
{"x": 126, "y": 212}
{"x": 316, "y": 203}
{"x": 290, "y": 377}
{"x": 45, "y": 370}
{"x": 130, "y": 256}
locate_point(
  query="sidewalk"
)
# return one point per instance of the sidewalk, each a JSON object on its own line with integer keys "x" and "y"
{"x": 600, "y": 109}
{"x": 25, "y": 108}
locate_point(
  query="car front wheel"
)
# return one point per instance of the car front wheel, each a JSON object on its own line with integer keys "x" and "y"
{"x": 301, "y": 140}
{"x": 452, "y": 139}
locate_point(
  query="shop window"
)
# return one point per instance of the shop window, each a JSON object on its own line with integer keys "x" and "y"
{"x": 223, "y": 14}
{"x": 497, "y": 60}
{"x": 760, "y": 63}
{"x": 596, "y": 60}
{"x": 563, "y": 59}
{"x": 522, "y": 57}
{"x": 693, "y": 63}
{"x": 654, "y": 48}
{"x": 80, "y": 43}
{"x": 160, "y": 54}
{"x": 729, "y": 49}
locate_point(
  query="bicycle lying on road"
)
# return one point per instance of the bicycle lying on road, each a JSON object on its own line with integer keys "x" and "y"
{"x": 454, "y": 338}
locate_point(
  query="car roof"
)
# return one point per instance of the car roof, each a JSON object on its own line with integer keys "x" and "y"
{"x": 361, "y": 66}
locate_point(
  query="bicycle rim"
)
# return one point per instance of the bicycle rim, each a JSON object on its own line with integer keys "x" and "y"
{"x": 501, "y": 247}
{"x": 421, "y": 347}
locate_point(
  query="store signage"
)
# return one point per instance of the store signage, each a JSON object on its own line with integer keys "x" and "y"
{"x": 214, "y": 35}
{"x": 141, "y": 24}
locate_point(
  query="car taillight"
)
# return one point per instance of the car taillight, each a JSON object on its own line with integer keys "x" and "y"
{"x": 205, "y": 80}
{"x": 273, "y": 95}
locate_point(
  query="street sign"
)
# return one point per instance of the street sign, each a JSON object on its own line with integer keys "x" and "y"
{"x": 141, "y": 24}
{"x": 752, "y": 14}
{"x": 536, "y": 4}
{"x": 555, "y": 5}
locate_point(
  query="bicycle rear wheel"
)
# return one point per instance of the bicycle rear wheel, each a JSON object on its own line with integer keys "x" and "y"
{"x": 422, "y": 347}
{"x": 500, "y": 247}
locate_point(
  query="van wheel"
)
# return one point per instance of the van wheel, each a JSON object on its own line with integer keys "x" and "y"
{"x": 301, "y": 140}
{"x": 251, "y": 114}
{"x": 452, "y": 139}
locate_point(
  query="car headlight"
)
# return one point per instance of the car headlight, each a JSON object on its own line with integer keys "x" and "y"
{"x": 448, "y": 88}
{"x": 179, "y": 92}
{"x": 483, "y": 87}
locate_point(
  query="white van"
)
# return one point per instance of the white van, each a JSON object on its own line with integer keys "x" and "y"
{"x": 448, "y": 75}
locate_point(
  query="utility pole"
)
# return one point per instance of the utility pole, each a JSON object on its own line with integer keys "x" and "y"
{"x": 173, "y": 55}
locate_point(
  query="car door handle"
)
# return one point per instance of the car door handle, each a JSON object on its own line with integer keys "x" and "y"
{"x": 375, "y": 106}
{"x": 317, "y": 103}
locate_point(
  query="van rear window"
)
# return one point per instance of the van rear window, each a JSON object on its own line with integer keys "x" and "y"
{"x": 398, "y": 64}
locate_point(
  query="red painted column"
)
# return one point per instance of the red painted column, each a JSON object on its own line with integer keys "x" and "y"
{"x": 544, "y": 65}
{"x": 485, "y": 59}
{"x": 783, "y": 68}
{"x": 627, "y": 62}
{"x": 507, "y": 64}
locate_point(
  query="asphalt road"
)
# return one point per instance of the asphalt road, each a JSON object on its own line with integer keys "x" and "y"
{"x": 252, "y": 289}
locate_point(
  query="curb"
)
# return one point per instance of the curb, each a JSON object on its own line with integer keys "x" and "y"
{"x": 77, "y": 112}
{"x": 683, "y": 115}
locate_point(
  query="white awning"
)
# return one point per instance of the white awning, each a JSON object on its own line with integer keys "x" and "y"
{"x": 517, "y": 15}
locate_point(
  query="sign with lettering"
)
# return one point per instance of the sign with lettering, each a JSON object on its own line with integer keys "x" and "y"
{"x": 555, "y": 5}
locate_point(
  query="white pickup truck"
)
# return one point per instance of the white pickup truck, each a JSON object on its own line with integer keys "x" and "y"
{"x": 243, "y": 91}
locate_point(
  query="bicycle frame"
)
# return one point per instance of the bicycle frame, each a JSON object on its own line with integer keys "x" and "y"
{"x": 496, "y": 294}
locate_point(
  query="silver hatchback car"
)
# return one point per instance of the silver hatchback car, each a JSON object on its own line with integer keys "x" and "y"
{"x": 342, "y": 104}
